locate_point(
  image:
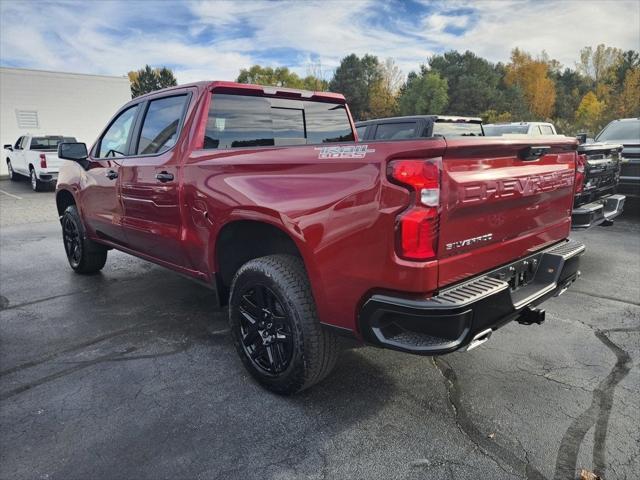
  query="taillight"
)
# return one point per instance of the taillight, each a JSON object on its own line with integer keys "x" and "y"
{"x": 418, "y": 225}
{"x": 43, "y": 160}
{"x": 581, "y": 162}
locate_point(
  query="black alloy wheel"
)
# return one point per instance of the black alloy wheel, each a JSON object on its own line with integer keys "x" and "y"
{"x": 265, "y": 329}
{"x": 72, "y": 241}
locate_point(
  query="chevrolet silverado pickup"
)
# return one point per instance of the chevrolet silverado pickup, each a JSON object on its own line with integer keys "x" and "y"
{"x": 263, "y": 194}
{"x": 35, "y": 157}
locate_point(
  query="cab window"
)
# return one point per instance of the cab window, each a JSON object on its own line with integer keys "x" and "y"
{"x": 160, "y": 127}
{"x": 114, "y": 142}
{"x": 18, "y": 145}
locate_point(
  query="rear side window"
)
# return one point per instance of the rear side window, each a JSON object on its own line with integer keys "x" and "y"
{"x": 115, "y": 140}
{"x": 161, "y": 124}
{"x": 247, "y": 121}
{"x": 546, "y": 130}
{"x": 395, "y": 131}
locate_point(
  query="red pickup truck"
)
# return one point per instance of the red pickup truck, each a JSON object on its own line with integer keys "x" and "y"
{"x": 265, "y": 195}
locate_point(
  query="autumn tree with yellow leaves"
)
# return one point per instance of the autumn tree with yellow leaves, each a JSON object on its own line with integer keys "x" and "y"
{"x": 532, "y": 76}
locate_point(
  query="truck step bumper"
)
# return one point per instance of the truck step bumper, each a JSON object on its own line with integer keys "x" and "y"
{"x": 460, "y": 317}
{"x": 602, "y": 210}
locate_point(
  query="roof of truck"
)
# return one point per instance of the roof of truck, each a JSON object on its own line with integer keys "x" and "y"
{"x": 264, "y": 89}
{"x": 517, "y": 123}
{"x": 446, "y": 118}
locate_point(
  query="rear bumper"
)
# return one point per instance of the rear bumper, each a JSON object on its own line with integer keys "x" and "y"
{"x": 604, "y": 209}
{"x": 461, "y": 314}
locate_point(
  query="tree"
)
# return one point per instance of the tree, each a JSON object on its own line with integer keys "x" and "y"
{"x": 596, "y": 63}
{"x": 275, "y": 77}
{"x": 589, "y": 113}
{"x": 473, "y": 82}
{"x": 628, "y": 102}
{"x": 571, "y": 87}
{"x": 354, "y": 78}
{"x": 424, "y": 93}
{"x": 532, "y": 76}
{"x": 383, "y": 93}
{"x": 150, "y": 79}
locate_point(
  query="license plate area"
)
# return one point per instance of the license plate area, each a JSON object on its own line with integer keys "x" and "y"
{"x": 518, "y": 274}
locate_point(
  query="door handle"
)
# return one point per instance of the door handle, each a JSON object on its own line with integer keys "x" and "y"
{"x": 111, "y": 174}
{"x": 164, "y": 176}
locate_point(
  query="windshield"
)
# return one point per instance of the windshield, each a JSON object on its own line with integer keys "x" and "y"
{"x": 457, "y": 129}
{"x": 627, "y": 130}
{"x": 49, "y": 143}
{"x": 498, "y": 130}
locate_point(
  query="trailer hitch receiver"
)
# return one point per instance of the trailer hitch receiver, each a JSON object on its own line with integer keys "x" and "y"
{"x": 531, "y": 315}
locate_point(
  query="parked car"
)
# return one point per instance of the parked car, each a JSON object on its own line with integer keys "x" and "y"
{"x": 35, "y": 157}
{"x": 522, "y": 128}
{"x": 625, "y": 131}
{"x": 596, "y": 199}
{"x": 418, "y": 126}
{"x": 424, "y": 246}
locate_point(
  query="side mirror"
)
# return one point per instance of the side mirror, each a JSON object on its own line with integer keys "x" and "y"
{"x": 8, "y": 147}
{"x": 73, "y": 151}
{"x": 582, "y": 138}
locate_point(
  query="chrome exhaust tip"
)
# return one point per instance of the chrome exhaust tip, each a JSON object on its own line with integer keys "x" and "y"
{"x": 479, "y": 339}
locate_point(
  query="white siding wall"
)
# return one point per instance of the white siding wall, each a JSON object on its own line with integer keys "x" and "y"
{"x": 68, "y": 104}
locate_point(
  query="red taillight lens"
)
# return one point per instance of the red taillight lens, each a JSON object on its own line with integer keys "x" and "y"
{"x": 418, "y": 225}
{"x": 581, "y": 162}
{"x": 43, "y": 160}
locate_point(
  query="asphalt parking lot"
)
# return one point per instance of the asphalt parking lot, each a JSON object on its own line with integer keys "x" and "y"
{"x": 131, "y": 374}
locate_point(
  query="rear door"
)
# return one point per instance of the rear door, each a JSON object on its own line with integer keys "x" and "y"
{"x": 500, "y": 202}
{"x": 149, "y": 179}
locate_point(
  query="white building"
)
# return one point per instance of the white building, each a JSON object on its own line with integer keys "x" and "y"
{"x": 56, "y": 103}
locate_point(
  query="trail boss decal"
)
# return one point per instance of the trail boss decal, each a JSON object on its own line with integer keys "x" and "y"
{"x": 344, "y": 151}
{"x": 467, "y": 242}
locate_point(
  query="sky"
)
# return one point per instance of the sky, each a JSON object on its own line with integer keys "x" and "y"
{"x": 214, "y": 40}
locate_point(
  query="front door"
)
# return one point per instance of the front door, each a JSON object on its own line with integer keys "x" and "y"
{"x": 101, "y": 205}
{"x": 149, "y": 181}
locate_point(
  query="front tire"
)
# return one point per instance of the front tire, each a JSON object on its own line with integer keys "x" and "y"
{"x": 275, "y": 326}
{"x": 84, "y": 255}
{"x": 36, "y": 184}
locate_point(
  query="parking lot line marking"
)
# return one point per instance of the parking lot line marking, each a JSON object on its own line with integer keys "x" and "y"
{"x": 11, "y": 195}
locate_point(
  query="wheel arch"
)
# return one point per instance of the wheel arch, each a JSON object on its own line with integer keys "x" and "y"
{"x": 64, "y": 199}
{"x": 241, "y": 240}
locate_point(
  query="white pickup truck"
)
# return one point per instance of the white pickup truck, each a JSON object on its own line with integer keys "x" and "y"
{"x": 35, "y": 157}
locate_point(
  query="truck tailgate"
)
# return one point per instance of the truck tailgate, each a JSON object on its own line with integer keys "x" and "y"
{"x": 498, "y": 206}
{"x": 53, "y": 162}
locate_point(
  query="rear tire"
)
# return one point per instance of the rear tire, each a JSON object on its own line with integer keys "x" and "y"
{"x": 13, "y": 176}
{"x": 36, "y": 184}
{"x": 275, "y": 325}
{"x": 84, "y": 255}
